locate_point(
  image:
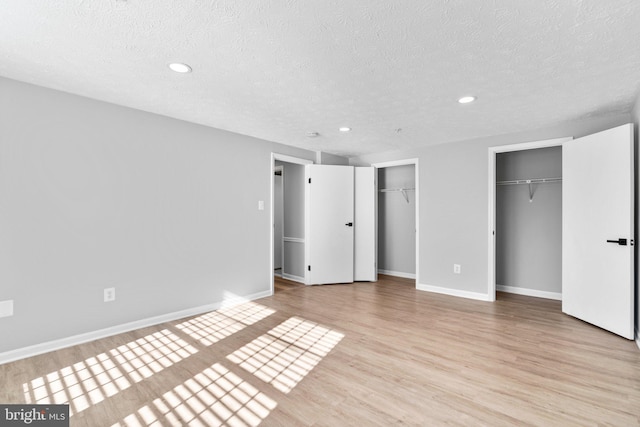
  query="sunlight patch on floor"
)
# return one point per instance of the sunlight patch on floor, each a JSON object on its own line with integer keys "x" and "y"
{"x": 213, "y": 397}
{"x": 99, "y": 377}
{"x": 287, "y": 353}
{"x": 212, "y": 327}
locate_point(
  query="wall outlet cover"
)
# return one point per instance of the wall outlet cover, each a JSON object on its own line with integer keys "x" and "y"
{"x": 6, "y": 308}
{"x": 109, "y": 294}
{"x": 457, "y": 268}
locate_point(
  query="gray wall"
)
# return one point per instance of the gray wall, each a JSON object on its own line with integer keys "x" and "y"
{"x": 529, "y": 234}
{"x": 293, "y": 260}
{"x": 636, "y": 121}
{"x": 453, "y": 185}
{"x": 94, "y": 195}
{"x": 293, "y": 200}
{"x": 397, "y": 220}
{"x": 332, "y": 159}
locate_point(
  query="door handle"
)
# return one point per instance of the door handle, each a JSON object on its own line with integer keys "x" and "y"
{"x": 349, "y": 224}
{"x": 621, "y": 242}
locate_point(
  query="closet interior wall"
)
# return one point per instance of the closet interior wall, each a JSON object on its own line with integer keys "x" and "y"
{"x": 397, "y": 221}
{"x": 292, "y": 236}
{"x": 529, "y": 223}
{"x": 278, "y": 219}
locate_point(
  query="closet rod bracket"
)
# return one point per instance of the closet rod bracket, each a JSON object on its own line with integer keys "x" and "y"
{"x": 401, "y": 190}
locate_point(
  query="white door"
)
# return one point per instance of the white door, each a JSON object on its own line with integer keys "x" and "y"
{"x": 365, "y": 247}
{"x": 329, "y": 218}
{"x": 597, "y": 229}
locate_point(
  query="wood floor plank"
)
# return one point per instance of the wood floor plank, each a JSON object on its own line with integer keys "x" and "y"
{"x": 359, "y": 354}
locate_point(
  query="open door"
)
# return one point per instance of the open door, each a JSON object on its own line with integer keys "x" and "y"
{"x": 365, "y": 226}
{"x": 597, "y": 229}
{"x": 329, "y": 218}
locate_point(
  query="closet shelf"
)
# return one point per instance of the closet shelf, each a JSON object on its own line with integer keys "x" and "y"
{"x": 402, "y": 190}
{"x": 530, "y": 182}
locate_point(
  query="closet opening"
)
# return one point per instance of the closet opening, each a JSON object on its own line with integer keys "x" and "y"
{"x": 287, "y": 214}
{"x": 397, "y": 219}
{"x": 525, "y": 219}
{"x": 528, "y": 213}
{"x": 278, "y": 219}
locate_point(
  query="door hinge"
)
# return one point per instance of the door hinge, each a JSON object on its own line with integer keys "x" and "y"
{"x": 309, "y": 267}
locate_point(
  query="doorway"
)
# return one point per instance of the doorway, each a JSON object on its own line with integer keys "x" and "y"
{"x": 278, "y": 219}
{"x": 398, "y": 218}
{"x": 529, "y": 222}
{"x": 287, "y": 219}
{"x": 493, "y": 153}
{"x": 303, "y": 234}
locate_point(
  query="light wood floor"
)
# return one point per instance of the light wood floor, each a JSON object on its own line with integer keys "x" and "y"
{"x": 361, "y": 354}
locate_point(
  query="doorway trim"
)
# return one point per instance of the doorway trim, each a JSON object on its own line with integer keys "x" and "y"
{"x": 415, "y": 162}
{"x": 287, "y": 159}
{"x": 491, "y": 237}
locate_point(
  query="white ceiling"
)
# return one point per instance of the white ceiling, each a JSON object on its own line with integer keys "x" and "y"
{"x": 279, "y": 69}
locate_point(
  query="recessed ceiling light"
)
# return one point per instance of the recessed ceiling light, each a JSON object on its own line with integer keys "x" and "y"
{"x": 179, "y": 67}
{"x": 466, "y": 99}
{"x": 345, "y": 129}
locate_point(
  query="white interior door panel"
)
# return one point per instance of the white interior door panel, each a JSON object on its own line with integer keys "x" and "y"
{"x": 598, "y": 229}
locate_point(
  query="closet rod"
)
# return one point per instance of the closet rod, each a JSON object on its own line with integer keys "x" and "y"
{"x": 402, "y": 190}
{"x": 388, "y": 190}
{"x": 529, "y": 181}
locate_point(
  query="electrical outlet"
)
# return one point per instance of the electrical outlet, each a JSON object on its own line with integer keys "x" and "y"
{"x": 109, "y": 294}
{"x": 457, "y": 269}
{"x": 260, "y": 205}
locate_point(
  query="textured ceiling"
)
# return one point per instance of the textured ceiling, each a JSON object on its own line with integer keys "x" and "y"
{"x": 279, "y": 69}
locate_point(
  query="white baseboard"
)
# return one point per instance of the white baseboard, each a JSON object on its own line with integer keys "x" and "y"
{"x": 638, "y": 340}
{"x": 293, "y": 278}
{"x": 530, "y": 292}
{"x": 34, "y": 350}
{"x": 454, "y": 292}
{"x": 397, "y": 274}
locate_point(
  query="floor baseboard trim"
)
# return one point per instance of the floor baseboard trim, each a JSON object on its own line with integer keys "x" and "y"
{"x": 453, "y": 292}
{"x": 293, "y": 278}
{"x": 530, "y": 292}
{"x": 638, "y": 340}
{"x": 397, "y": 274}
{"x": 37, "y": 349}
